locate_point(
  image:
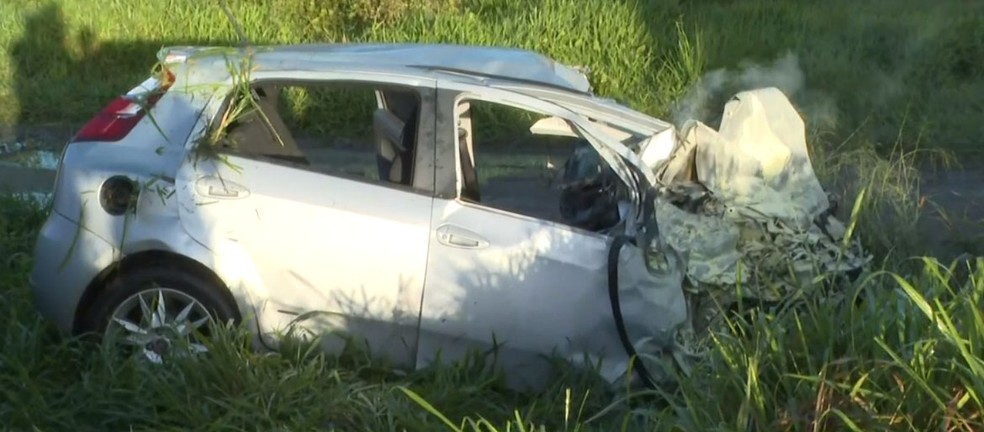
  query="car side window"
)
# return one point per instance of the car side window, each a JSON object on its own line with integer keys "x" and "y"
{"x": 356, "y": 131}
{"x": 533, "y": 165}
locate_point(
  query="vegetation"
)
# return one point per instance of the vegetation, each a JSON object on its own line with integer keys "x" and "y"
{"x": 877, "y": 66}
{"x": 903, "y": 352}
{"x": 876, "y": 82}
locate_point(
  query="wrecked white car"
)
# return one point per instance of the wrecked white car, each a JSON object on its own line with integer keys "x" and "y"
{"x": 425, "y": 200}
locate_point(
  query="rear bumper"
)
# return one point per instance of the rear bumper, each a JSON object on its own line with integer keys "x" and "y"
{"x": 66, "y": 260}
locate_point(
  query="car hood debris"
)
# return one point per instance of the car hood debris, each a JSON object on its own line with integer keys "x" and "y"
{"x": 740, "y": 206}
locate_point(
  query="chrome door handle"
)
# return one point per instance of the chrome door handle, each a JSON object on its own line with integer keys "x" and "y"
{"x": 215, "y": 187}
{"x": 462, "y": 241}
{"x": 456, "y": 236}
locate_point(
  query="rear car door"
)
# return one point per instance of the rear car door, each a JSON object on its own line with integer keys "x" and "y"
{"x": 510, "y": 267}
{"x": 321, "y": 198}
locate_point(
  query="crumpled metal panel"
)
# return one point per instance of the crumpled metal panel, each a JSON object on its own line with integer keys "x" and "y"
{"x": 743, "y": 206}
{"x": 746, "y": 203}
{"x": 653, "y": 306}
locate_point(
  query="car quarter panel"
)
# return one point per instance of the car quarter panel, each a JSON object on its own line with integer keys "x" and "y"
{"x": 67, "y": 258}
{"x": 153, "y": 150}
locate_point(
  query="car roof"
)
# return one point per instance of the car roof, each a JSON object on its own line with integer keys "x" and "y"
{"x": 454, "y": 62}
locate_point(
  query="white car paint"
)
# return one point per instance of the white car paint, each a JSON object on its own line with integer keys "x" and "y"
{"x": 414, "y": 274}
{"x": 356, "y": 252}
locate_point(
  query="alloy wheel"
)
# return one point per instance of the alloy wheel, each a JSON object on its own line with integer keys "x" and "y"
{"x": 161, "y": 322}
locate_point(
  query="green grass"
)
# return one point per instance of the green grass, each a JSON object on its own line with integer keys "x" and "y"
{"x": 865, "y": 70}
{"x": 901, "y": 352}
{"x": 879, "y": 84}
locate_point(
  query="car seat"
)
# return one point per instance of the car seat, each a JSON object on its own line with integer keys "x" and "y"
{"x": 391, "y": 154}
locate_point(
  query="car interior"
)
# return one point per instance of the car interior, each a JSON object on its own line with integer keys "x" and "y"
{"x": 262, "y": 132}
{"x": 509, "y": 159}
{"x": 386, "y": 153}
{"x": 394, "y": 126}
{"x": 525, "y": 163}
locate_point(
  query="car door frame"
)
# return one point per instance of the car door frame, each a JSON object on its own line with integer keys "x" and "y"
{"x": 425, "y": 166}
{"x": 422, "y": 182}
{"x": 448, "y": 185}
{"x": 623, "y": 161}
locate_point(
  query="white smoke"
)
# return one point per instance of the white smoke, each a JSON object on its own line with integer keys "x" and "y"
{"x": 706, "y": 99}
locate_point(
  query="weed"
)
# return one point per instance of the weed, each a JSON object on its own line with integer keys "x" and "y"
{"x": 903, "y": 352}
{"x": 59, "y": 59}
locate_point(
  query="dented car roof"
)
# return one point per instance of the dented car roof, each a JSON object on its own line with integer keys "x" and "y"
{"x": 425, "y": 60}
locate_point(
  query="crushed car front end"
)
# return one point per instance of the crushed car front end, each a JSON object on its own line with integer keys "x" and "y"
{"x": 724, "y": 216}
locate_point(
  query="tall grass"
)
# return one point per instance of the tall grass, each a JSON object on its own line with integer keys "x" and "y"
{"x": 892, "y": 361}
{"x": 903, "y": 351}
{"x": 864, "y": 64}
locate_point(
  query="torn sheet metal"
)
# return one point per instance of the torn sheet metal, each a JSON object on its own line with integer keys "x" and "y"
{"x": 747, "y": 205}
{"x": 652, "y": 306}
{"x": 740, "y": 206}
{"x": 756, "y": 162}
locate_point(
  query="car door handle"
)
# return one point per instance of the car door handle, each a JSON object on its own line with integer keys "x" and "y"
{"x": 456, "y": 236}
{"x": 216, "y": 187}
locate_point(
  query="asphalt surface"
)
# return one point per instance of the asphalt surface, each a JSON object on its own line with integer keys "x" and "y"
{"x": 16, "y": 179}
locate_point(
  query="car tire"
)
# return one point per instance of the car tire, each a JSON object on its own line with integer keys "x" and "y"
{"x": 174, "y": 279}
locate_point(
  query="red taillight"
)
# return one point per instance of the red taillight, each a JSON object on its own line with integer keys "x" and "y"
{"x": 118, "y": 118}
{"x": 112, "y": 123}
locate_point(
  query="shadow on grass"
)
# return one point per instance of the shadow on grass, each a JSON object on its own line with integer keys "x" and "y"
{"x": 66, "y": 78}
{"x": 71, "y": 76}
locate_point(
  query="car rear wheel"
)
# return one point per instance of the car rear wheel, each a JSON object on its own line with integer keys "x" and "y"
{"x": 159, "y": 312}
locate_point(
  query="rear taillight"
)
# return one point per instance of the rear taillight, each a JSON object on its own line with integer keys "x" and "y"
{"x": 121, "y": 115}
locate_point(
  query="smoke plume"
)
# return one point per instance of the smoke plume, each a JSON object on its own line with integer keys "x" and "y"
{"x": 706, "y": 99}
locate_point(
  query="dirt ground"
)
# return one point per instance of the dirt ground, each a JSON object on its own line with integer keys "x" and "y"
{"x": 953, "y": 215}
{"x": 952, "y": 200}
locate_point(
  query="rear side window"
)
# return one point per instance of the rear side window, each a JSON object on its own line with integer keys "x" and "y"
{"x": 356, "y": 131}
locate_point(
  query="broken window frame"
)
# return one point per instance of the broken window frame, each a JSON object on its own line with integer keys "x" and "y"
{"x": 614, "y": 159}
{"x": 598, "y": 110}
{"x": 422, "y": 179}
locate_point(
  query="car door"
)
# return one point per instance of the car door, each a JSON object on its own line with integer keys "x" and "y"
{"x": 319, "y": 249}
{"x": 500, "y": 277}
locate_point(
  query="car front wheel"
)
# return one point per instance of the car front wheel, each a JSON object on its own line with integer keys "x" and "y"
{"x": 159, "y": 311}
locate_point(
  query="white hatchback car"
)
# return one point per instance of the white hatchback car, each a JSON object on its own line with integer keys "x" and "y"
{"x": 426, "y": 199}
